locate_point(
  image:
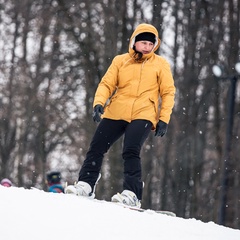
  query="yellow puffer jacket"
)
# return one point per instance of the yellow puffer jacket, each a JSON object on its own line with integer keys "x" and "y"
{"x": 133, "y": 89}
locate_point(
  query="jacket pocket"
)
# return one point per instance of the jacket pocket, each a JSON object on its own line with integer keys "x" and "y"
{"x": 155, "y": 103}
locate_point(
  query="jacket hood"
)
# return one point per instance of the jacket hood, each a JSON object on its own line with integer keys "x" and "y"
{"x": 144, "y": 27}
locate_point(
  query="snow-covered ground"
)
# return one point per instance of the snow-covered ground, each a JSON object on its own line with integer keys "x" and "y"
{"x": 37, "y": 215}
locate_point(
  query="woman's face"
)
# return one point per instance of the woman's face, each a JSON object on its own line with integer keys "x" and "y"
{"x": 144, "y": 46}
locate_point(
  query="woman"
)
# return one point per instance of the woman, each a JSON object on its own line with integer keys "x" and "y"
{"x": 127, "y": 102}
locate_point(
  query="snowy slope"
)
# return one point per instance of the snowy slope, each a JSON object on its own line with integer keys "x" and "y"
{"x": 37, "y": 215}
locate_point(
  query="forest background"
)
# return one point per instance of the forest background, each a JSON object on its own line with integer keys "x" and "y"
{"x": 53, "y": 55}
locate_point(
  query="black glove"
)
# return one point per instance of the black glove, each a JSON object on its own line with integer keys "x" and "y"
{"x": 97, "y": 111}
{"x": 161, "y": 128}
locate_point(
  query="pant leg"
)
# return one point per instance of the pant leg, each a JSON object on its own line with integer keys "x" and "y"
{"x": 107, "y": 132}
{"x": 135, "y": 135}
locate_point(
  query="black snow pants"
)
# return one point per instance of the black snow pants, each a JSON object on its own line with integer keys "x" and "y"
{"x": 107, "y": 132}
